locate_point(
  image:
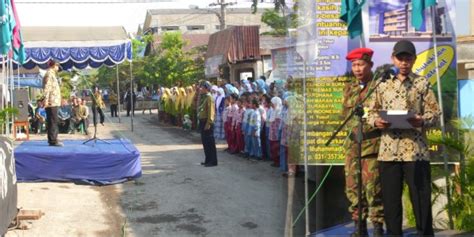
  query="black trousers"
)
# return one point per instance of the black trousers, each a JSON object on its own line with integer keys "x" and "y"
{"x": 129, "y": 108}
{"x": 113, "y": 111}
{"x": 64, "y": 125}
{"x": 96, "y": 110}
{"x": 418, "y": 177}
{"x": 208, "y": 142}
{"x": 52, "y": 122}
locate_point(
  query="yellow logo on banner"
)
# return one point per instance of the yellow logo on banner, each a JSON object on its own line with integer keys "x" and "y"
{"x": 425, "y": 62}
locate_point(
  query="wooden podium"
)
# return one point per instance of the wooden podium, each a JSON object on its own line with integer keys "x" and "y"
{"x": 21, "y": 124}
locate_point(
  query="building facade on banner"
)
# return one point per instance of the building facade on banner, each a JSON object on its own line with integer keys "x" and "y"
{"x": 395, "y": 23}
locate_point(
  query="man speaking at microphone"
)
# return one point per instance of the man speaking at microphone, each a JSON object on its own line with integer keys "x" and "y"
{"x": 403, "y": 153}
{"x": 371, "y": 196}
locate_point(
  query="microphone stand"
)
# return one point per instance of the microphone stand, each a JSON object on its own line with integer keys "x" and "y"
{"x": 94, "y": 120}
{"x": 359, "y": 112}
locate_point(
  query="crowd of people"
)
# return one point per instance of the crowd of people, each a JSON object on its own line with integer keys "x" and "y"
{"x": 254, "y": 118}
{"x": 73, "y": 116}
{"x": 262, "y": 121}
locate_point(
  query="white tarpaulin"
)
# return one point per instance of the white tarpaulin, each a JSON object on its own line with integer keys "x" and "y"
{"x": 8, "y": 189}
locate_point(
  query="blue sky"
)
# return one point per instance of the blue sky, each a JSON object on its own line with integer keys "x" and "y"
{"x": 127, "y": 13}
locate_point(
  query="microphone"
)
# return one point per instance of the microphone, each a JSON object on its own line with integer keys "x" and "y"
{"x": 387, "y": 70}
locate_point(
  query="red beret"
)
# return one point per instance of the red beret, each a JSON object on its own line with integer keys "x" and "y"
{"x": 360, "y": 54}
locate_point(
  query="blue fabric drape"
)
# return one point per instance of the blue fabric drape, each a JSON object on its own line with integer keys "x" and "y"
{"x": 79, "y": 57}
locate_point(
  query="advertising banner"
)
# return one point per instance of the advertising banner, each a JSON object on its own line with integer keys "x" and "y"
{"x": 384, "y": 22}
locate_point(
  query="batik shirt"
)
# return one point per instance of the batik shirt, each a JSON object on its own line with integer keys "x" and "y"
{"x": 413, "y": 94}
{"x": 52, "y": 91}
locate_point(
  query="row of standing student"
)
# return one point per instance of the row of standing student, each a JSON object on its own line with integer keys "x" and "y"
{"x": 257, "y": 126}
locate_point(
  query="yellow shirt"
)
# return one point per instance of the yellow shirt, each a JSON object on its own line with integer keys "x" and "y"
{"x": 207, "y": 110}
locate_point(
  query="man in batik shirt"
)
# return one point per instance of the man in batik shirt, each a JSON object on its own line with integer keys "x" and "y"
{"x": 403, "y": 153}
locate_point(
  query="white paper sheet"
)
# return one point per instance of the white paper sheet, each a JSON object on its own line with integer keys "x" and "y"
{"x": 397, "y": 118}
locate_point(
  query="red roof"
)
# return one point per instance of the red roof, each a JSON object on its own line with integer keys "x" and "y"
{"x": 237, "y": 43}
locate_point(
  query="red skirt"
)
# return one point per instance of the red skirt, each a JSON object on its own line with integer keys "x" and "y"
{"x": 275, "y": 152}
{"x": 238, "y": 140}
{"x": 227, "y": 132}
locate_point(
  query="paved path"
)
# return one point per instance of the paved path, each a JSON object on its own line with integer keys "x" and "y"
{"x": 175, "y": 197}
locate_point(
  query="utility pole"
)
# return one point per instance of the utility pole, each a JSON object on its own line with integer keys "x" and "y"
{"x": 223, "y": 5}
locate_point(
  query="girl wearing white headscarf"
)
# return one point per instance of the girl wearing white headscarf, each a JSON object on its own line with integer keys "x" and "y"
{"x": 274, "y": 134}
{"x": 220, "y": 106}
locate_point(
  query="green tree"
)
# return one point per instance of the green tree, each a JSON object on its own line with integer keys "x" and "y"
{"x": 278, "y": 18}
{"x": 278, "y": 22}
{"x": 168, "y": 65}
{"x": 171, "y": 65}
{"x": 66, "y": 84}
{"x": 279, "y": 5}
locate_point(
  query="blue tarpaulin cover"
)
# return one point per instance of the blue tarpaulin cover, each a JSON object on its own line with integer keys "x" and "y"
{"x": 90, "y": 163}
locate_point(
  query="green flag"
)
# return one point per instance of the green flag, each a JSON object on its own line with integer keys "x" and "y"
{"x": 418, "y": 12}
{"x": 351, "y": 13}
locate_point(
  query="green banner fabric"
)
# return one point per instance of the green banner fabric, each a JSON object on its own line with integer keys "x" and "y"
{"x": 418, "y": 10}
{"x": 351, "y": 13}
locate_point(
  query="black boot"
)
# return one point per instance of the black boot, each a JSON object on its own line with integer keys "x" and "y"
{"x": 363, "y": 232}
{"x": 378, "y": 229}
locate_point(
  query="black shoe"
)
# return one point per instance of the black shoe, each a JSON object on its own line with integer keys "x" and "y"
{"x": 378, "y": 229}
{"x": 363, "y": 232}
{"x": 209, "y": 165}
{"x": 58, "y": 144}
{"x": 102, "y": 124}
{"x": 202, "y": 163}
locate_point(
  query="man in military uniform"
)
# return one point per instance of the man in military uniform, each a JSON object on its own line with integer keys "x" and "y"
{"x": 206, "y": 113}
{"x": 354, "y": 92}
{"x": 52, "y": 101}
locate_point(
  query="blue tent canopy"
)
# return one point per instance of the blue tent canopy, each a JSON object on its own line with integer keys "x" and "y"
{"x": 76, "y": 47}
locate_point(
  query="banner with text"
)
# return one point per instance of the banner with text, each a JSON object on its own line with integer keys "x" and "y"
{"x": 385, "y": 23}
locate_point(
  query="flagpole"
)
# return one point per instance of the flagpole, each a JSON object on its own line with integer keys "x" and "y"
{"x": 118, "y": 94}
{"x": 442, "y": 122}
{"x": 306, "y": 188}
{"x": 9, "y": 92}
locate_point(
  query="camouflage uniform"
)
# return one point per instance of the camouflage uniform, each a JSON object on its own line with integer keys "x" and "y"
{"x": 371, "y": 188}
